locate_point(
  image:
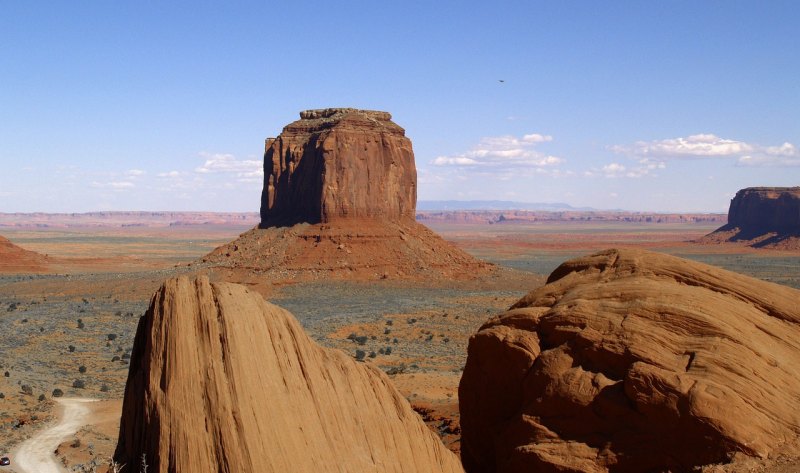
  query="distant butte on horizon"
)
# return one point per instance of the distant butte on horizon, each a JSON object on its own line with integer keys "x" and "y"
{"x": 339, "y": 201}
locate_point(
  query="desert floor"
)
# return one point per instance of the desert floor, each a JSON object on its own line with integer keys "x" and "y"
{"x": 71, "y": 327}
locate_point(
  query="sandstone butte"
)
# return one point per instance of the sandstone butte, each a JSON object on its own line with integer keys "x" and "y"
{"x": 221, "y": 380}
{"x": 632, "y": 361}
{"x": 339, "y": 200}
{"x": 762, "y": 217}
{"x": 15, "y": 259}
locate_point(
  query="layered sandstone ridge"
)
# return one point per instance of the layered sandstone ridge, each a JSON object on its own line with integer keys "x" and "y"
{"x": 221, "y": 380}
{"x": 15, "y": 259}
{"x": 630, "y": 361}
{"x": 765, "y": 217}
{"x": 338, "y": 163}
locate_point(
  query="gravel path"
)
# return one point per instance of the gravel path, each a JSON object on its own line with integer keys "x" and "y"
{"x": 35, "y": 455}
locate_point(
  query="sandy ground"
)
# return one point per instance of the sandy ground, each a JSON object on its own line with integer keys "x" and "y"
{"x": 114, "y": 272}
{"x": 35, "y": 455}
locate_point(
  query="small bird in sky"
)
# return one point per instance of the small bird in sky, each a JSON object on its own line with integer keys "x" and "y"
{"x": 500, "y": 80}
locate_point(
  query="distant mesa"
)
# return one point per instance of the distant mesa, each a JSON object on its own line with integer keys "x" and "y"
{"x": 631, "y": 361}
{"x": 762, "y": 217}
{"x": 339, "y": 200}
{"x": 14, "y": 259}
{"x": 221, "y": 380}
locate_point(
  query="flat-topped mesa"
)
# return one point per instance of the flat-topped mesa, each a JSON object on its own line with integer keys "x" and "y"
{"x": 338, "y": 163}
{"x": 766, "y": 209}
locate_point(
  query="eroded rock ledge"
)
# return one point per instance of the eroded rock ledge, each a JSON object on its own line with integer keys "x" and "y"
{"x": 631, "y": 361}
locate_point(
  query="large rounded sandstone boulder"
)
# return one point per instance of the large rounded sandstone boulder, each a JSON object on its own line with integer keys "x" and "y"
{"x": 632, "y": 361}
{"x": 222, "y": 381}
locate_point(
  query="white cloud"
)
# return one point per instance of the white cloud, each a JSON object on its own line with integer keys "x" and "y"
{"x": 706, "y": 145}
{"x": 643, "y": 167}
{"x": 503, "y": 152}
{"x": 170, "y": 174}
{"x": 115, "y": 185}
{"x": 245, "y": 170}
{"x": 135, "y": 173}
{"x": 228, "y": 163}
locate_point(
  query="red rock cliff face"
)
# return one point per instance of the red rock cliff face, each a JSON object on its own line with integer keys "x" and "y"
{"x": 222, "y": 381}
{"x": 766, "y": 208}
{"x": 338, "y": 163}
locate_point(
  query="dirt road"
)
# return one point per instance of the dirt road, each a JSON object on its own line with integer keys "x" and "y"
{"x": 35, "y": 455}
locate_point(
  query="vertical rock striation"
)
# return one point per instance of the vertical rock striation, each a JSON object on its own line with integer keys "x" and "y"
{"x": 222, "y": 381}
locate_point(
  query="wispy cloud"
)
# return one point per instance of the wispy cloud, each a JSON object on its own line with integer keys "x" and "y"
{"x": 641, "y": 168}
{"x": 114, "y": 185}
{"x": 135, "y": 173}
{"x": 245, "y": 170}
{"x": 503, "y": 152}
{"x": 706, "y": 145}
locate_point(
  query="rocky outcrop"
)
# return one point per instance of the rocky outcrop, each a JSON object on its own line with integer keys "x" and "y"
{"x": 14, "y": 259}
{"x": 221, "y": 380}
{"x": 766, "y": 209}
{"x": 763, "y": 217}
{"x": 340, "y": 190}
{"x": 630, "y": 361}
{"x": 338, "y": 163}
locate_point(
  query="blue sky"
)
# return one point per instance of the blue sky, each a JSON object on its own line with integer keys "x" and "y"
{"x": 660, "y": 106}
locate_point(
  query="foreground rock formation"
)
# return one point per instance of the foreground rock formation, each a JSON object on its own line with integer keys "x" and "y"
{"x": 14, "y": 259}
{"x": 764, "y": 217}
{"x": 221, "y": 380}
{"x": 631, "y": 361}
{"x": 339, "y": 200}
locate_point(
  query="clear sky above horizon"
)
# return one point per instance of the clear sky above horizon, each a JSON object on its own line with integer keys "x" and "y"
{"x": 658, "y": 106}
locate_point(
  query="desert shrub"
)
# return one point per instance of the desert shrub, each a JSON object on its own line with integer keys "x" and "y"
{"x": 24, "y": 321}
{"x": 41, "y": 329}
{"x": 116, "y": 358}
{"x": 446, "y": 339}
{"x": 429, "y": 338}
{"x": 394, "y": 340}
{"x": 126, "y": 356}
{"x": 387, "y": 331}
{"x": 27, "y": 389}
{"x": 79, "y": 384}
{"x": 372, "y": 354}
{"x": 82, "y": 369}
{"x": 41, "y": 397}
{"x": 361, "y": 340}
{"x": 390, "y": 322}
{"x": 12, "y": 307}
{"x": 387, "y": 350}
{"x": 352, "y": 336}
{"x": 81, "y": 325}
{"x": 104, "y": 388}
{"x": 360, "y": 354}
{"x": 57, "y": 392}
{"x": 71, "y": 348}
{"x": 400, "y": 369}
{"x": 6, "y": 374}
{"x": 2, "y": 396}
{"x": 412, "y": 321}
{"x": 111, "y": 337}
{"x": 381, "y": 351}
